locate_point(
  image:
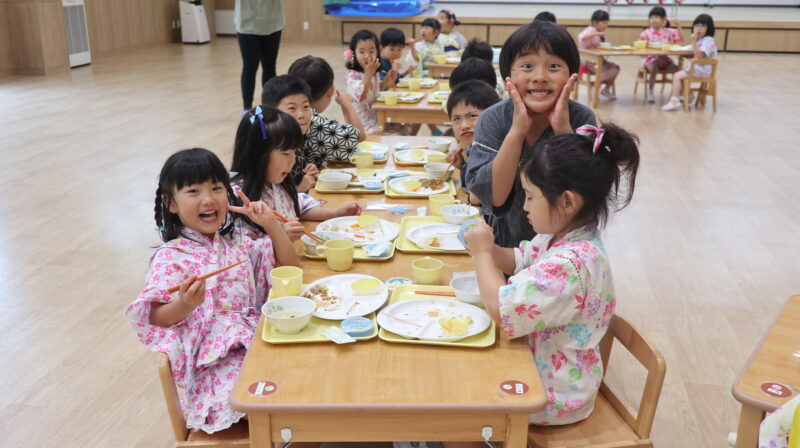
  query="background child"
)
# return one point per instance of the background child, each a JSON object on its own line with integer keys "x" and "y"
{"x": 703, "y": 46}
{"x": 291, "y": 95}
{"x": 560, "y": 292}
{"x": 206, "y": 327}
{"x": 476, "y": 68}
{"x": 545, "y": 16}
{"x": 449, "y": 38}
{"x": 464, "y": 105}
{"x": 263, "y": 157}
{"x": 539, "y": 62}
{"x": 659, "y": 32}
{"x": 427, "y": 47}
{"x": 326, "y": 139}
{"x": 591, "y": 37}
{"x": 363, "y": 81}
{"x": 393, "y": 41}
{"x": 477, "y": 48}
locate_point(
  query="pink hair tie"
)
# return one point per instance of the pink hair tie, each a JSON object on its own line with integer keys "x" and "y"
{"x": 348, "y": 54}
{"x": 589, "y": 130}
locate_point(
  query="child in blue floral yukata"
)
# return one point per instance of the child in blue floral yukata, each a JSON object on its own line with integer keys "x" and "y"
{"x": 560, "y": 293}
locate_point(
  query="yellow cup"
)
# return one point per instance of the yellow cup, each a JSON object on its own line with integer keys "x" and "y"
{"x": 666, "y": 48}
{"x": 441, "y": 59}
{"x": 414, "y": 84}
{"x": 339, "y": 254}
{"x": 390, "y": 98}
{"x": 363, "y": 159}
{"x": 640, "y": 44}
{"x": 427, "y": 271}
{"x": 437, "y": 158}
{"x": 437, "y": 201}
{"x": 444, "y": 86}
{"x": 286, "y": 281}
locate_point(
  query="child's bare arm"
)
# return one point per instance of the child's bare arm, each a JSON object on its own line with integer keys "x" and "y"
{"x": 321, "y": 213}
{"x": 345, "y": 101}
{"x": 507, "y": 159}
{"x": 480, "y": 240}
{"x": 262, "y": 215}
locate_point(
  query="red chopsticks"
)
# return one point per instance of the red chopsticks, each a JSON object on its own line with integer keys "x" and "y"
{"x": 175, "y": 288}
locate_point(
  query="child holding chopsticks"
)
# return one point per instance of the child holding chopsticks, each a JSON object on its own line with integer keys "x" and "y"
{"x": 206, "y": 326}
{"x": 264, "y": 154}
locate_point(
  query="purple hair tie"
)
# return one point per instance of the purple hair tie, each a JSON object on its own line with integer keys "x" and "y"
{"x": 257, "y": 113}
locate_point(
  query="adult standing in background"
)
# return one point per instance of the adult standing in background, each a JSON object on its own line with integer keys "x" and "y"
{"x": 258, "y": 29}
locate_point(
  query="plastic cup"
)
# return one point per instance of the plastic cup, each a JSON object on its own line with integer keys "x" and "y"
{"x": 339, "y": 254}
{"x": 437, "y": 201}
{"x": 286, "y": 281}
{"x": 427, "y": 271}
{"x": 640, "y": 44}
{"x": 363, "y": 159}
{"x": 390, "y": 98}
{"x": 441, "y": 59}
{"x": 414, "y": 84}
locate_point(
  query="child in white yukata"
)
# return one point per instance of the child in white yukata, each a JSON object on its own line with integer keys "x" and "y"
{"x": 703, "y": 46}
{"x": 206, "y": 327}
{"x": 363, "y": 80}
{"x": 263, "y": 156}
{"x": 450, "y": 39}
{"x": 428, "y": 46}
{"x": 560, "y": 294}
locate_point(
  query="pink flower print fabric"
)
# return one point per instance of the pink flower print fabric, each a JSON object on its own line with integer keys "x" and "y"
{"x": 562, "y": 299}
{"x": 206, "y": 350}
{"x": 664, "y": 35}
{"x": 355, "y": 87}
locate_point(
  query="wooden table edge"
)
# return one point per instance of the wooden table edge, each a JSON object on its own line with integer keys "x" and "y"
{"x": 743, "y": 397}
{"x": 390, "y": 408}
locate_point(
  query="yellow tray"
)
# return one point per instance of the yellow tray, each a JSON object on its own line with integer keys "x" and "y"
{"x": 350, "y": 188}
{"x": 360, "y": 254}
{"x": 391, "y": 193}
{"x": 406, "y": 292}
{"x": 311, "y": 332}
{"x": 403, "y": 163}
{"x": 406, "y": 245}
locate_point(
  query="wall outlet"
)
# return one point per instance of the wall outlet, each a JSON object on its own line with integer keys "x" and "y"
{"x": 305, "y": 26}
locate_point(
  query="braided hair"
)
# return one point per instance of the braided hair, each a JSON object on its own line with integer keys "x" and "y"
{"x": 187, "y": 167}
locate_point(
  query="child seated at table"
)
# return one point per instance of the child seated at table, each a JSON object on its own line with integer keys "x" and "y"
{"x": 591, "y": 37}
{"x": 560, "y": 293}
{"x": 206, "y": 326}
{"x": 477, "y": 68}
{"x": 363, "y": 82}
{"x": 450, "y": 39}
{"x": 703, "y": 46}
{"x": 393, "y": 65}
{"x": 326, "y": 139}
{"x": 539, "y": 62}
{"x": 464, "y": 105}
{"x": 426, "y": 48}
{"x": 264, "y": 153}
{"x": 659, "y": 32}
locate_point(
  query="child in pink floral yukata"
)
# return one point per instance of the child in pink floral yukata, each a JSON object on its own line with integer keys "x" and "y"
{"x": 205, "y": 327}
{"x": 560, "y": 294}
{"x": 659, "y": 32}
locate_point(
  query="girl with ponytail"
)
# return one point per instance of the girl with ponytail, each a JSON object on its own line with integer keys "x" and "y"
{"x": 560, "y": 292}
{"x": 206, "y": 326}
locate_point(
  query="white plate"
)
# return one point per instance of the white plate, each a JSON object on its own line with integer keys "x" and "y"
{"x": 386, "y": 231}
{"x": 379, "y": 149}
{"x": 419, "y": 319}
{"x": 339, "y": 286}
{"x": 398, "y": 186}
{"x": 405, "y": 155}
{"x": 447, "y": 234}
{"x": 380, "y": 175}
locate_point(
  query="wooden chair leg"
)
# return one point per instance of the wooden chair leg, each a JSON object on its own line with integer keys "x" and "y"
{"x": 686, "y": 95}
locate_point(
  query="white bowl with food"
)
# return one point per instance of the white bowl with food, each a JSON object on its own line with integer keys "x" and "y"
{"x": 311, "y": 245}
{"x": 439, "y": 144}
{"x": 435, "y": 170}
{"x": 466, "y": 288}
{"x": 334, "y": 181}
{"x": 289, "y": 314}
{"x": 458, "y": 213}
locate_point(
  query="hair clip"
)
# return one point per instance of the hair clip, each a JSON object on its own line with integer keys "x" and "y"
{"x": 161, "y": 229}
{"x": 348, "y": 54}
{"x": 257, "y": 114}
{"x": 587, "y": 131}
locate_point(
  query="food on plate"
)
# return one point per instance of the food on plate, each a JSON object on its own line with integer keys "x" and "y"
{"x": 325, "y": 300}
{"x": 432, "y": 241}
{"x": 417, "y": 155}
{"x": 433, "y": 184}
{"x": 455, "y": 326}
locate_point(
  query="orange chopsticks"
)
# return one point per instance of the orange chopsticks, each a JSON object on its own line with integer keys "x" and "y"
{"x": 436, "y": 293}
{"x": 282, "y": 218}
{"x": 443, "y": 175}
{"x": 175, "y": 288}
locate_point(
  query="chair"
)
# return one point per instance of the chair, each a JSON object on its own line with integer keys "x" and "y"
{"x": 612, "y": 425}
{"x": 588, "y": 81}
{"x": 237, "y": 436}
{"x": 708, "y": 86}
{"x": 662, "y": 77}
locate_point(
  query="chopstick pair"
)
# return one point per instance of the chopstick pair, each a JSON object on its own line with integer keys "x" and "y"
{"x": 444, "y": 174}
{"x": 175, "y": 288}
{"x": 436, "y": 293}
{"x": 282, "y": 218}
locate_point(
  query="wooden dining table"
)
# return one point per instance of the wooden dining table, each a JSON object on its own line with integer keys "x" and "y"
{"x": 421, "y": 112}
{"x": 374, "y": 390}
{"x": 771, "y": 376}
{"x": 436, "y": 70}
{"x": 598, "y": 54}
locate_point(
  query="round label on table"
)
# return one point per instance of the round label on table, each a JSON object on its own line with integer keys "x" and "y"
{"x": 262, "y": 388}
{"x": 514, "y": 387}
{"x": 776, "y": 390}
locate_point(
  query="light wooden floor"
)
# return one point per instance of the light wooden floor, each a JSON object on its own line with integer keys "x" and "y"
{"x": 703, "y": 257}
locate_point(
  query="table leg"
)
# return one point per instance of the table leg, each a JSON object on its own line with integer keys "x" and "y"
{"x": 749, "y": 421}
{"x": 517, "y": 431}
{"x": 598, "y": 75}
{"x": 260, "y": 431}
{"x": 381, "y": 119}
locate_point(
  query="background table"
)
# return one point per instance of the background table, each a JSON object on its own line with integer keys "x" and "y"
{"x": 420, "y": 112}
{"x": 440, "y": 70}
{"x": 776, "y": 359}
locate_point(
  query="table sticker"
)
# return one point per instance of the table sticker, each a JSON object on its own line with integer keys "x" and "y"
{"x": 262, "y": 388}
{"x": 776, "y": 390}
{"x": 514, "y": 387}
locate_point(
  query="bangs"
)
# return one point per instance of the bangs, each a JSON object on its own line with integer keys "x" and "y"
{"x": 196, "y": 167}
{"x": 529, "y": 39}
